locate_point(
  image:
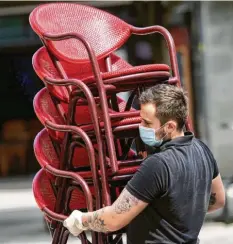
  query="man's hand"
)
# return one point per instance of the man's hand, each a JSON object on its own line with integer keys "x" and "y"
{"x": 74, "y": 223}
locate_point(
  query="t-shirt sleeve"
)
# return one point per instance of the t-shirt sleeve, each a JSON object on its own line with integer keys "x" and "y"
{"x": 213, "y": 162}
{"x": 215, "y": 165}
{"x": 150, "y": 181}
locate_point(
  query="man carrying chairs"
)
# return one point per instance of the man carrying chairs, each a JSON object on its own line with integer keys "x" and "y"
{"x": 167, "y": 198}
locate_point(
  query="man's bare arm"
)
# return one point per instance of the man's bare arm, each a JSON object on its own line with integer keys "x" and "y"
{"x": 115, "y": 217}
{"x": 217, "y": 196}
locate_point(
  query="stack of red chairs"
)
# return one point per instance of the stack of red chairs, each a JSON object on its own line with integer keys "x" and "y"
{"x": 90, "y": 146}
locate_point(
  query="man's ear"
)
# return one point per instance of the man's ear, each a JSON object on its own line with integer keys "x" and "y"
{"x": 171, "y": 126}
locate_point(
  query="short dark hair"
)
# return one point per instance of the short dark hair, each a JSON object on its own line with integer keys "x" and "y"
{"x": 171, "y": 103}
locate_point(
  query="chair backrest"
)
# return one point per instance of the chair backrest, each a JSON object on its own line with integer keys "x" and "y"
{"x": 42, "y": 190}
{"x": 46, "y": 154}
{"x": 45, "y": 110}
{"x": 103, "y": 31}
{"x": 44, "y": 150}
{"x": 45, "y": 197}
{"x": 44, "y": 67}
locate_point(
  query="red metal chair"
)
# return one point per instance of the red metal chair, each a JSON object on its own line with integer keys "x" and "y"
{"x": 69, "y": 18}
{"x": 45, "y": 66}
{"x": 43, "y": 190}
{"x": 45, "y": 196}
{"x": 78, "y": 26}
{"x": 50, "y": 161}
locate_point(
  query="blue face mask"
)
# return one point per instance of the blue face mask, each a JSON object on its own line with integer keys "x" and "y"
{"x": 148, "y": 136}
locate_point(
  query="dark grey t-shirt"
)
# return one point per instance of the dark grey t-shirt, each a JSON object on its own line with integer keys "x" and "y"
{"x": 176, "y": 182}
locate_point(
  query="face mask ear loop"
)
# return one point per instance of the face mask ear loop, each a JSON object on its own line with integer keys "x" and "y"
{"x": 161, "y": 128}
{"x": 166, "y": 133}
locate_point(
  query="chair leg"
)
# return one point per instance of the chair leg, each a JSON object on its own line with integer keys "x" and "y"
{"x": 51, "y": 230}
{"x": 100, "y": 238}
{"x": 64, "y": 236}
{"x": 120, "y": 241}
{"x": 83, "y": 238}
{"x": 94, "y": 237}
{"x": 117, "y": 240}
{"x": 57, "y": 233}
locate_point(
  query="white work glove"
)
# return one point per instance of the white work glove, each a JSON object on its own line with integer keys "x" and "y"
{"x": 74, "y": 223}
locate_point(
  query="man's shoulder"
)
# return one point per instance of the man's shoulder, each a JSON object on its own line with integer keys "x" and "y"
{"x": 155, "y": 157}
{"x": 202, "y": 144}
{"x": 155, "y": 161}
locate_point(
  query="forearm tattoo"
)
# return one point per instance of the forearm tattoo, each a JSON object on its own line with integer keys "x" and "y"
{"x": 95, "y": 222}
{"x": 125, "y": 202}
{"x": 212, "y": 199}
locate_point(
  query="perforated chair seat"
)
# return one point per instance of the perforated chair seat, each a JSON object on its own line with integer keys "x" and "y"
{"x": 103, "y": 31}
{"x": 162, "y": 69}
{"x": 46, "y": 110}
{"x": 44, "y": 67}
